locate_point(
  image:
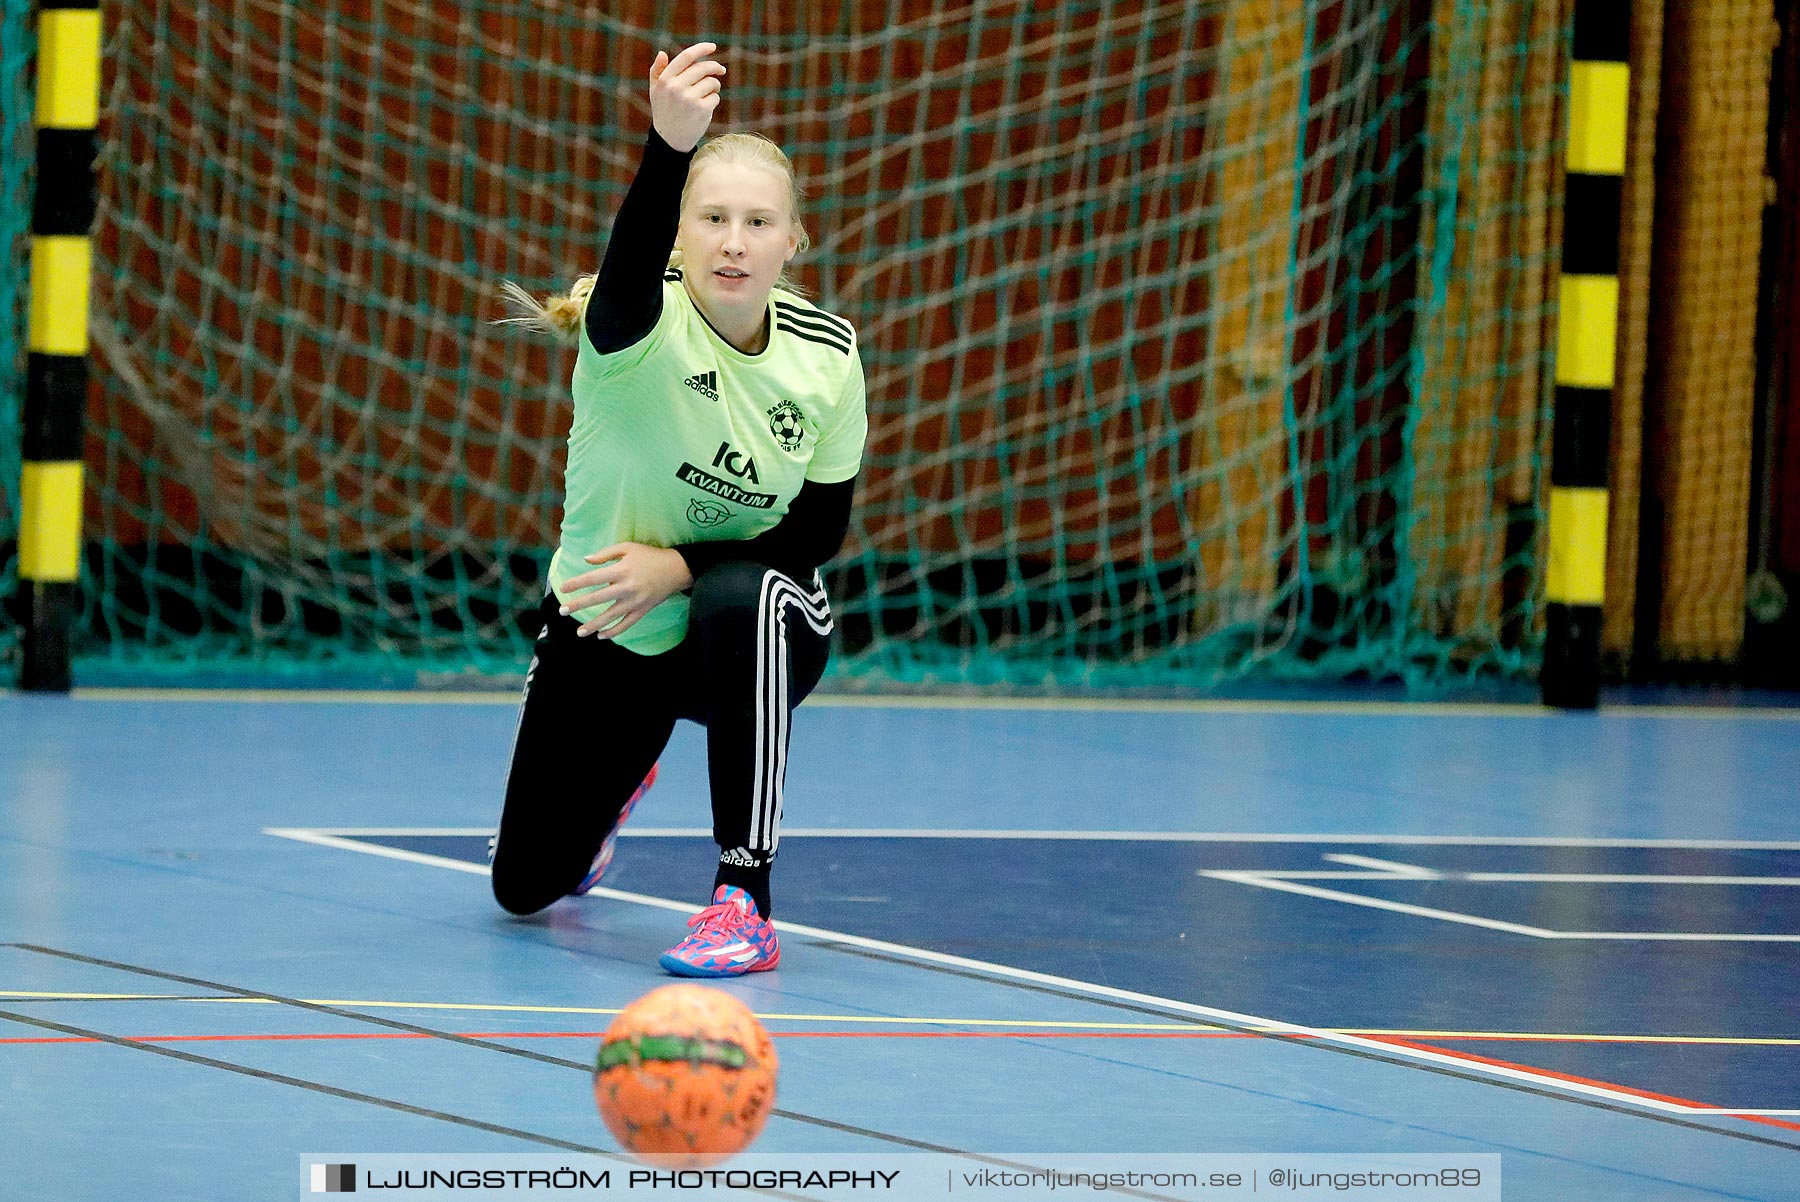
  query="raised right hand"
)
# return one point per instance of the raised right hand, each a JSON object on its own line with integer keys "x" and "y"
{"x": 684, "y": 91}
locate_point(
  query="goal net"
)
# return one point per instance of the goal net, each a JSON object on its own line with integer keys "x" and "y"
{"x": 1204, "y": 339}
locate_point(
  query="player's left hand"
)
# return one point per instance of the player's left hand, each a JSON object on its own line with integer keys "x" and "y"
{"x": 636, "y": 578}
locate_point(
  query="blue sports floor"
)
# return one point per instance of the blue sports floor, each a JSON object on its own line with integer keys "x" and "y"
{"x": 239, "y": 928}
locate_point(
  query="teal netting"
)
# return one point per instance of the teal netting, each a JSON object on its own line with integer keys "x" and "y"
{"x": 1206, "y": 339}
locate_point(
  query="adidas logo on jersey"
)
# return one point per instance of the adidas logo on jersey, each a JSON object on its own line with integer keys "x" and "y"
{"x": 706, "y": 384}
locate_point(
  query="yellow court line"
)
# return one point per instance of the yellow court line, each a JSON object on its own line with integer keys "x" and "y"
{"x": 509, "y": 697}
{"x": 513, "y": 1009}
{"x": 1405, "y": 709}
{"x": 917, "y": 1020}
{"x": 319, "y": 696}
{"x": 369, "y": 1005}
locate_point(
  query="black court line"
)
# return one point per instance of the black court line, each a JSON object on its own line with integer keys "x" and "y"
{"x": 91, "y": 1001}
{"x": 1316, "y": 1044}
{"x": 296, "y": 1003}
{"x": 349, "y": 1095}
{"x": 313, "y": 1086}
{"x": 452, "y": 1037}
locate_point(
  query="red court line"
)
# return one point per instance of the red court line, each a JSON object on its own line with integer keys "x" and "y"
{"x": 1388, "y": 1039}
{"x": 1673, "y": 1041}
{"x": 1546, "y": 1072}
{"x": 317, "y": 1036}
{"x": 1015, "y": 1035}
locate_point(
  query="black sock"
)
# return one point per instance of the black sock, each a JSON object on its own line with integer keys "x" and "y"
{"x": 753, "y": 880}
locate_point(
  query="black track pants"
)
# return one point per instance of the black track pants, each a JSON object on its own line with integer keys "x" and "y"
{"x": 596, "y": 717}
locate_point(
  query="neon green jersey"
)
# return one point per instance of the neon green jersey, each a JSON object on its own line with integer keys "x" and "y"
{"x": 683, "y": 438}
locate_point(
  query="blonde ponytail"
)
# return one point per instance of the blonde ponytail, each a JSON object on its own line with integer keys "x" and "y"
{"x": 558, "y": 315}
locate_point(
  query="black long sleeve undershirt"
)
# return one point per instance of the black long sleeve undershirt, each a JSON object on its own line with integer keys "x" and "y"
{"x": 624, "y": 306}
{"x": 809, "y": 533}
{"x": 627, "y": 296}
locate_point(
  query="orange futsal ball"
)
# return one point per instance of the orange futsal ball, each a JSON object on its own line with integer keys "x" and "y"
{"x": 686, "y": 1071}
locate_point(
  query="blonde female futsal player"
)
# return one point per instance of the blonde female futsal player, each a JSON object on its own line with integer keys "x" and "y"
{"x": 718, "y": 430}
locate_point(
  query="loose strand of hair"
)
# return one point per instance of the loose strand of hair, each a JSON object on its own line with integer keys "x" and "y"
{"x": 558, "y": 314}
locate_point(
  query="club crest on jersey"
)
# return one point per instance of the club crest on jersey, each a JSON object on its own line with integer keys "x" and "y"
{"x": 788, "y": 425}
{"x": 707, "y": 513}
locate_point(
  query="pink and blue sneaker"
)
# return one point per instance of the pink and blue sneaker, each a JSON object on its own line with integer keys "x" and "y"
{"x": 604, "y": 857}
{"x": 729, "y": 939}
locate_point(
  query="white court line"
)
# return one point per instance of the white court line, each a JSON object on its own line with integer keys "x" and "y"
{"x": 1385, "y": 867}
{"x": 1287, "y": 882}
{"x": 433, "y": 832}
{"x": 1265, "y": 881}
{"x": 1542, "y": 878}
{"x": 1389, "y": 870}
{"x": 1606, "y": 878}
{"x": 1213, "y": 1013}
{"x": 1131, "y": 836}
{"x": 332, "y": 839}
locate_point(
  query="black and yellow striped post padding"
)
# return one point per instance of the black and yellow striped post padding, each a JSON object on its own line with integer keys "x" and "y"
{"x": 50, "y": 494}
{"x": 1586, "y": 345}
